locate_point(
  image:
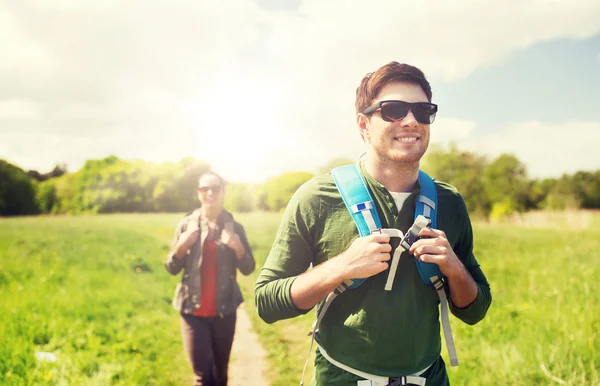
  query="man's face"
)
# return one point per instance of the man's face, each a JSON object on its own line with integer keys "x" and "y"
{"x": 403, "y": 141}
{"x": 210, "y": 191}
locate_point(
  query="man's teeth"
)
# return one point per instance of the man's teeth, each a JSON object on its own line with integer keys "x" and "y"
{"x": 407, "y": 139}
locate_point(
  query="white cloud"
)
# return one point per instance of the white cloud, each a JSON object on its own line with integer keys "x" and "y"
{"x": 19, "y": 51}
{"x": 163, "y": 80}
{"x": 19, "y": 109}
{"x": 548, "y": 150}
{"x": 445, "y": 130}
{"x": 448, "y": 39}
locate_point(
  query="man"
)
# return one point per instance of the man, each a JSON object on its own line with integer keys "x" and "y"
{"x": 386, "y": 333}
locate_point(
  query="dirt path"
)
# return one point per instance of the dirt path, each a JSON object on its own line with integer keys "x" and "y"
{"x": 248, "y": 358}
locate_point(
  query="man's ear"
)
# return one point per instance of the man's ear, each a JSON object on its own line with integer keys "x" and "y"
{"x": 363, "y": 126}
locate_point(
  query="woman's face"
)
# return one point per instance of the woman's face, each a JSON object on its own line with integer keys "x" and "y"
{"x": 211, "y": 192}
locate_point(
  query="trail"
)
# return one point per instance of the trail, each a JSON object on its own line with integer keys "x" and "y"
{"x": 248, "y": 358}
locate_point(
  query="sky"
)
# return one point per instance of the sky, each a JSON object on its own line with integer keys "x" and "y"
{"x": 259, "y": 87}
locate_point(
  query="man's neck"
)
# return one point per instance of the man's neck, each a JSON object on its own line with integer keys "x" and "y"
{"x": 396, "y": 177}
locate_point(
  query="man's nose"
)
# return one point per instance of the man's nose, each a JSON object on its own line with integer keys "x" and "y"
{"x": 409, "y": 120}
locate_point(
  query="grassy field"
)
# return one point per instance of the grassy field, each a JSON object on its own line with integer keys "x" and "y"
{"x": 92, "y": 291}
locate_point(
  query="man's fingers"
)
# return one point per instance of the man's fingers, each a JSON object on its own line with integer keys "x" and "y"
{"x": 427, "y": 258}
{"x": 430, "y": 232}
{"x": 430, "y": 249}
{"x": 383, "y": 256}
{"x": 380, "y": 238}
{"x": 437, "y": 240}
{"x": 384, "y": 248}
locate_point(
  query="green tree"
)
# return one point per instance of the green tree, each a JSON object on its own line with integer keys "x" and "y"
{"x": 580, "y": 190}
{"x": 64, "y": 187}
{"x": 17, "y": 191}
{"x": 114, "y": 185}
{"x": 275, "y": 193}
{"x": 538, "y": 191}
{"x": 340, "y": 161}
{"x": 175, "y": 189}
{"x": 46, "y": 195}
{"x": 239, "y": 197}
{"x": 586, "y": 186}
{"x": 463, "y": 170}
{"x": 506, "y": 182}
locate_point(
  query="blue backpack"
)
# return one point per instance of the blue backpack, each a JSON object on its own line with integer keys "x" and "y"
{"x": 361, "y": 206}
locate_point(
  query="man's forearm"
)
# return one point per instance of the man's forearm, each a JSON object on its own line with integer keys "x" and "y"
{"x": 463, "y": 289}
{"x": 313, "y": 286}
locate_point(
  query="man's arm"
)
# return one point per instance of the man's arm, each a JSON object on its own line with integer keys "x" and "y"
{"x": 435, "y": 248}
{"x": 284, "y": 288}
{"x": 470, "y": 295}
{"x": 367, "y": 256}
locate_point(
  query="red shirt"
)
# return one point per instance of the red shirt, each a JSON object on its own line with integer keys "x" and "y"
{"x": 208, "y": 277}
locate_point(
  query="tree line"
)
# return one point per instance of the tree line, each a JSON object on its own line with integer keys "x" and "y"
{"x": 492, "y": 188}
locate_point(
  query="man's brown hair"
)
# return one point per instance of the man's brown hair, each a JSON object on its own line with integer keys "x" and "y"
{"x": 373, "y": 82}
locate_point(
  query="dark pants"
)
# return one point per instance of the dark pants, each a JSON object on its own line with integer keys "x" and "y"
{"x": 207, "y": 342}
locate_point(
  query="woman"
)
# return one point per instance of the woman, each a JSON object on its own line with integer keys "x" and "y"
{"x": 209, "y": 246}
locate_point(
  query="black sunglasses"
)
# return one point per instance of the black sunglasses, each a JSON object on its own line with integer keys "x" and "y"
{"x": 216, "y": 189}
{"x": 392, "y": 111}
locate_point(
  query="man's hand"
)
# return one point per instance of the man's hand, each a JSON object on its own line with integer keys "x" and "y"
{"x": 366, "y": 257}
{"x": 435, "y": 248}
{"x": 233, "y": 241}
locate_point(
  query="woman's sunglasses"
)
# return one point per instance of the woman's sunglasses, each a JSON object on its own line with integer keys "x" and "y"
{"x": 392, "y": 111}
{"x": 215, "y": 189}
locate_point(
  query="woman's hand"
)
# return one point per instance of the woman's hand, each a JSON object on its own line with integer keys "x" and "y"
{"x": 233, "y": 241}
{"x": 187, "y": 239}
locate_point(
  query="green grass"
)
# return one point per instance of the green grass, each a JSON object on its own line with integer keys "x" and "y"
{"x": 93, "y": 291}
{"x": 545, "y": 310}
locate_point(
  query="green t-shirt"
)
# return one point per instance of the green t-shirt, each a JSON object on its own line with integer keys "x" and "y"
{"x": 388, "y": 333}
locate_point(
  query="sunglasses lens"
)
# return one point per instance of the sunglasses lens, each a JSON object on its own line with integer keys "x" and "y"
{"x": 424, "y": 112}
{"x": 394, "y": 111}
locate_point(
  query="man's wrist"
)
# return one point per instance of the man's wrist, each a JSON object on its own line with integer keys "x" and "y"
{"x": 459, "y": 272}
{"x": 337, "y": 269}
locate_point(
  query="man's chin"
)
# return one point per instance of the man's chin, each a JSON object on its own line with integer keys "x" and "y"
{"x": 405, "y": 158}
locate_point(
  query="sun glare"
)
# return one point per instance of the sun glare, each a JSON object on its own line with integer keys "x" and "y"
{"x": 238, "y": 133}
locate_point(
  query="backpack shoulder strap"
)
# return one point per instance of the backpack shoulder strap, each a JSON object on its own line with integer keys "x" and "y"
{"x": 427, "y": 206}
{"x": 427, "y": 202}
{"x": 430, "y": 273}
{"x": 358, "y": 200}
{"x": 356, "y": 196}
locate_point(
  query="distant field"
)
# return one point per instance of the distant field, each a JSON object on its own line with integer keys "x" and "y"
{"x": 92, "y": 290}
